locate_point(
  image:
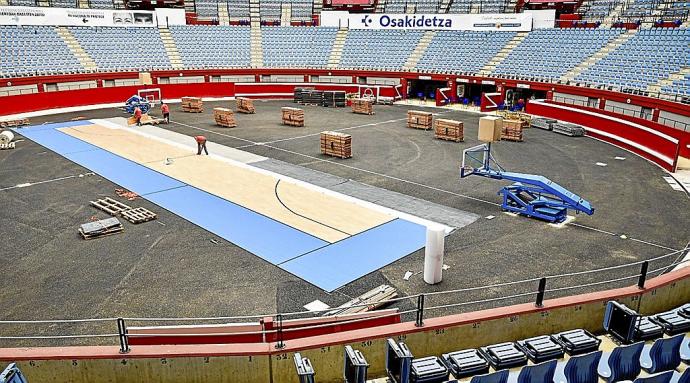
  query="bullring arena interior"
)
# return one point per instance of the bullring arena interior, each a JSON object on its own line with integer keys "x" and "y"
{"x": 484, "y": 191}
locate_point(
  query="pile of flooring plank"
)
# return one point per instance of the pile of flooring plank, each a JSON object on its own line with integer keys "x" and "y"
{"x": 245, "y": 105}
{"x": 224, "y": 117}
{"x": 313, "y": 97}
{"x": 334, "y": 99}
{"x": 450, "y": 130}
{"x": 300, "y": 93}
{"x": 419, "y": 120}
{"x": 512, "y": 130}
{"x": 362, "y": 106}
{"x": 543, "y": 123}
{"x": 370, "y": 300}
{"x": 14, "y": 122}
{"x": 567, "y": 129}
{"x": 192, "y": 105}
{"x": 336, "y": 144}
{"x": 100, "y": 228}
{"x": 293, "y": 116}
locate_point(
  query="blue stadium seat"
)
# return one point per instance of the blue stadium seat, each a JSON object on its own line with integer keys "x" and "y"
{"x": 663, "y": 355}
{"x": 623, "y": 363}
{"x": 579, "y": 369}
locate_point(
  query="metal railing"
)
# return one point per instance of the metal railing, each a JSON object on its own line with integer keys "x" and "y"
{"x": 410, "y": 308}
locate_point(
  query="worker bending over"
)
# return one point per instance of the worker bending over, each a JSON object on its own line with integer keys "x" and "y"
{"x": 137, "y": 115}
{"x": 165, "y": 109}
{"x": 201, "y": 144}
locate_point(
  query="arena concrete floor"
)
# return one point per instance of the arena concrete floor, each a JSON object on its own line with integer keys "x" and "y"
{"x": 172, "y": 268}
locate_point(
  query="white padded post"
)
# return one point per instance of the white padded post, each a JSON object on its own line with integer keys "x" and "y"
{"x": 433, "y": 254}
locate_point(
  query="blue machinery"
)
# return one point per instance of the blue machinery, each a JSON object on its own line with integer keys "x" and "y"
{"x": 531, "y": 195}
{"x": 137, "y": 101}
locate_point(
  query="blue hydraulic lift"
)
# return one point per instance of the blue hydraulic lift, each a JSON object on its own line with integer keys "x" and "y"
{"x": 530, "y": 195}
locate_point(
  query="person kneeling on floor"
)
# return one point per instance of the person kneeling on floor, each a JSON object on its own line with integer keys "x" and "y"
{"x": 165, "y": 109}
{"x": 201, "y": 144}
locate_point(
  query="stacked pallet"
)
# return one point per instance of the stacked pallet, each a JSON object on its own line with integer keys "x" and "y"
{"x": 14, "y": 122}
{"x": 449, "y": 130}
{"x": 543, "y": 123}
{"x": 192, "y": 105}
{"x": 419, "y": 120}
{"x": 362, "y": 106}
{"x": 245, "y": 105}
{"x": 334, "y": 99}
{"x": 512, "y": 130}
{"x": 336, "y": 144}
{"x": 100, "y": 228}
{"x": 567, "y": 129}
{"x": 313, "y": 97}
{"x": 224, "y": 117}
{"x": 293, "y": 116}
{"x": 300, "y": 93}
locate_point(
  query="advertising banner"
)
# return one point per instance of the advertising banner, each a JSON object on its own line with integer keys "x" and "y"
{"x": 76, "y": 17}
{"x": 518, "y": 22}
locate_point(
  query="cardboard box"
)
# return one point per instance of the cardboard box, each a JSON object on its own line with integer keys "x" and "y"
{"x": 145, "y": 78}
{"x": 490, "y": 128}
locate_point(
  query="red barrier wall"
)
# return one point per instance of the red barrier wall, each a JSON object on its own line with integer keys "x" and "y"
{"x": 653, "y": 141}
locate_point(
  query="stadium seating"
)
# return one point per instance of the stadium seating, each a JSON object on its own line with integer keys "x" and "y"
{"x": 212, "y": 46}
{"x": 207, "y": 8}
{"x": 462, "y": 51}
{"x": 238, "y": 9}
{"x": 297, "y": 47}
{"x": 550, "y": 53}
{"x": 381, "y": 49}
{"x": 27, "y": 51}
{"x": 112, "y": 48}
{"x": 647, "y": 57}
{"x": 101, "y": 4}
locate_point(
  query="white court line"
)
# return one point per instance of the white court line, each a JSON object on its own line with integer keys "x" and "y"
{"x": 27, "y": 184}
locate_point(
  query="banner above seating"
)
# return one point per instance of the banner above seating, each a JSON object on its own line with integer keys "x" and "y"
{"x": 517, "y": 22}
{"x": 76, "y": 17}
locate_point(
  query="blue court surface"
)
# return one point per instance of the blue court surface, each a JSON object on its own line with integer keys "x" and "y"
{"x": 325, "y": 265}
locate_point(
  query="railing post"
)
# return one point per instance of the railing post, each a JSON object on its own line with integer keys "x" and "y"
{"x": 643, "y": 275}
{"x": 279, "y": 332}
{"x": 540, "y": 293}
{"x": 419, "y": 322}
{"x": 122, "y": 334}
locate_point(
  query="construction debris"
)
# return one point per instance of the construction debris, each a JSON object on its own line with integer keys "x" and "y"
{"x": 138, "y": 215}
{"x": 110, "y": 206}
{"x": 293, "y": 116}
{"x": 124, "y": 193}
{"x": 192, "y": 105}
{"x": 362, "y": 106}
{"x": 368, "y": 301}
{"x": 100, "y": 228}
{"x": 245, "y": 105}
{"x": 511, "y": 130}
{"x": 336, "y": 144}
{"x": 449, "y": 130}
{"x": 224, "y": 117}
{"x": 419, "y": 120}
{"x": 14, "y": 123}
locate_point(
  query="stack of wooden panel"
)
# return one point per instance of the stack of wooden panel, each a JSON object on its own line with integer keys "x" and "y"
{"x": 313, "y": 97}
{"x": 224, "y": 117}
{"x": 300, "y": 93}
{"x": 192, "y": 105}
{"x": 336, "y": 144}
{"x": 245, "y": 105}
{"x": 362, "y": 106}
{"x": 293, "y": 116}
{"x": 334, "y": 99}
{"x": 449, "y": 130}
{"x": 419, "y": 120}
{"x": 14, "y": 122}
{"x": 512, "y": 130}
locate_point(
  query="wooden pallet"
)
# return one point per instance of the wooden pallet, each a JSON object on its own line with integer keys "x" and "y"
{"x": 110, "y": 206}
{"x": 450, "y": 130}
{"x": 419, "y": 120}
{"x": 245, "y": 105}
{"x": 192, "y": 105}
{"x": 293, "y": 116}
{"x": 512, "y": 131}
{"x": 224, "y": 117}
{"x": 362, "y": 106}
{"x": 336, "y": 144}
{"x": 100, "y": 228}
{"x": 14, "y": 122}
{"x": 138, "y": 215}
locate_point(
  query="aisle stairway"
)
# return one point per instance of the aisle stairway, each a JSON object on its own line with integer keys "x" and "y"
{"x": 419, "y": 50}
{"x": 171, "y": 48}
{"x": 285, "y": 14}
{"x": 84, "y": 59}
{"x": 601, "y": 53}
{"x": 503, "y": 53}
{"x": 223, "y": 16}
{"x": 257, "y": 55}
{"x": 337, "y": 50}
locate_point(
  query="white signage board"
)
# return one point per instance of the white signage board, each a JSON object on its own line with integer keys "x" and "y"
{"x": 519, "y": 22}
{"x": 76, "y": 17}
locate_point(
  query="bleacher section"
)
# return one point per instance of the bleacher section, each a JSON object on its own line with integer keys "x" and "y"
{"x": 30, "y": 51}
{"x": 101, "y": 4}
{"x": 297, "y": 47}
{"x": 679, "y": 87}
{"x": 599, "y": 9}
{"x": 643, "y": 60}
{"x": 550, "y": 53}
{"x": 462, "y": 51}
{"x": 271, "y": 10}
{"x": 114, "y": 49}
{"x": 384, "y": 49}
{"x": 238, "y": 9}
{"x": 212, "y": 46}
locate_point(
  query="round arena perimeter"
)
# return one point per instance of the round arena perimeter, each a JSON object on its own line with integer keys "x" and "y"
{"x": 172, "y": 268}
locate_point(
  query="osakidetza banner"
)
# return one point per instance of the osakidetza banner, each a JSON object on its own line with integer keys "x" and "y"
{"x": 76, "y": 17}
{"x": 518, "y": 22}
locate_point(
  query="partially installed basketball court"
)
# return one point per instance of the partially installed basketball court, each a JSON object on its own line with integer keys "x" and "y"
{"x": 326, "y": 238}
